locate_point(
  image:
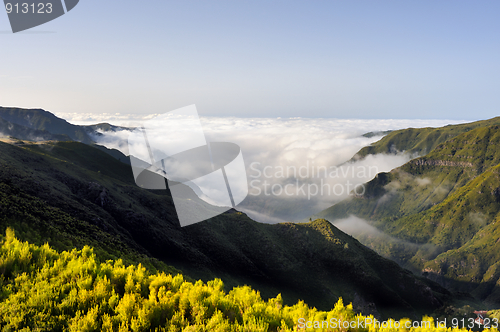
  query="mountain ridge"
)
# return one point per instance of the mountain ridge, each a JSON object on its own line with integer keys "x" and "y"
{"x": 43, "y": 120}
{"x": 419, "y": 141}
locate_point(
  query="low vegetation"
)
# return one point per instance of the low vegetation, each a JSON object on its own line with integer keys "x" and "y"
{"x": 45, "y": 290}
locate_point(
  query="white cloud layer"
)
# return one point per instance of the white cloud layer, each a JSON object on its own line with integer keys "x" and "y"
{"x": 278, "y": 145}
{"x": 117, "y": 119}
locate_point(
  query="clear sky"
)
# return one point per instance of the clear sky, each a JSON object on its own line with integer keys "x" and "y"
{"x": 339, "y": 59}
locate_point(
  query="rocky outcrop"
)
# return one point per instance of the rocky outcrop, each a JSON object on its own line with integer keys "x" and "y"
{"x": 449, "y": 163}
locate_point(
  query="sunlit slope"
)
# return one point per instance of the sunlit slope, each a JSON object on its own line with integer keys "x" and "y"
{"x": 425, "y": 181}
{"x": 473, "y": 267}
{"x": 70, "y": 194}
{"x": 465, "y": 228}
{"x": 420, "y": 140}
{"x": 445, "y": 206}
{"x": 453, "y": 222}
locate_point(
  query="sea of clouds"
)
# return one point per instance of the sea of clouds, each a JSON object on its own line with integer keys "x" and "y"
{"x": 295, "y": 166}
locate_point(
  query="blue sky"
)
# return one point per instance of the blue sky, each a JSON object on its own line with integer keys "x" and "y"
{"x": 337, "y": 59}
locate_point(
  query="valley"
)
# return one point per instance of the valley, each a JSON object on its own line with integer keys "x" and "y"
{"x": 434, "y": 228}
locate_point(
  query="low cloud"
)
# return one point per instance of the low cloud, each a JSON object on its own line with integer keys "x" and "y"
{"x": 478, "y": 219}
{"x": 362, "y": 230}
{"x": 261, "y": 217}
{"x": 423, "y": 181}
{"x": 391, "y": 189}
{"x": 382, "y": 243}
{"x": 359, "y": 227}
{"x": 117, "y": 119}
{"x": 113, "y": 140}
{"x": 434, "y": 192}
{"x": 276, "y": 144}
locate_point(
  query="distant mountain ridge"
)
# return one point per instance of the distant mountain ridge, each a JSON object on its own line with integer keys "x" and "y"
{"x": 21, "y": 132}
{"x": 39, "y": 125}
{"x": 42, "y": 120}
{"x": 420, "y": 141}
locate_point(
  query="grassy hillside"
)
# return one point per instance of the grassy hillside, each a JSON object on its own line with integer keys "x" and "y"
{"x": 425, "y": 181}
{"x": 70, "y": 194}
{"x": 477, "y": 261}
{"x": 420, "y": 141}
{"x": 438, "y": 208}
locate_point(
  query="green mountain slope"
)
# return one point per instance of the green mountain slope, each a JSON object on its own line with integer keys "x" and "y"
{"x": 473, "y": 267}
{"x": 43, "y": 120}
{"x": 423, "y": 182}
{"x": 69, "y": 194}
{"x": 9, "y": 129}
{"x": 440, "y": 210}
{"x": 422, "y": 140}
{"x": 39, "y": 125}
